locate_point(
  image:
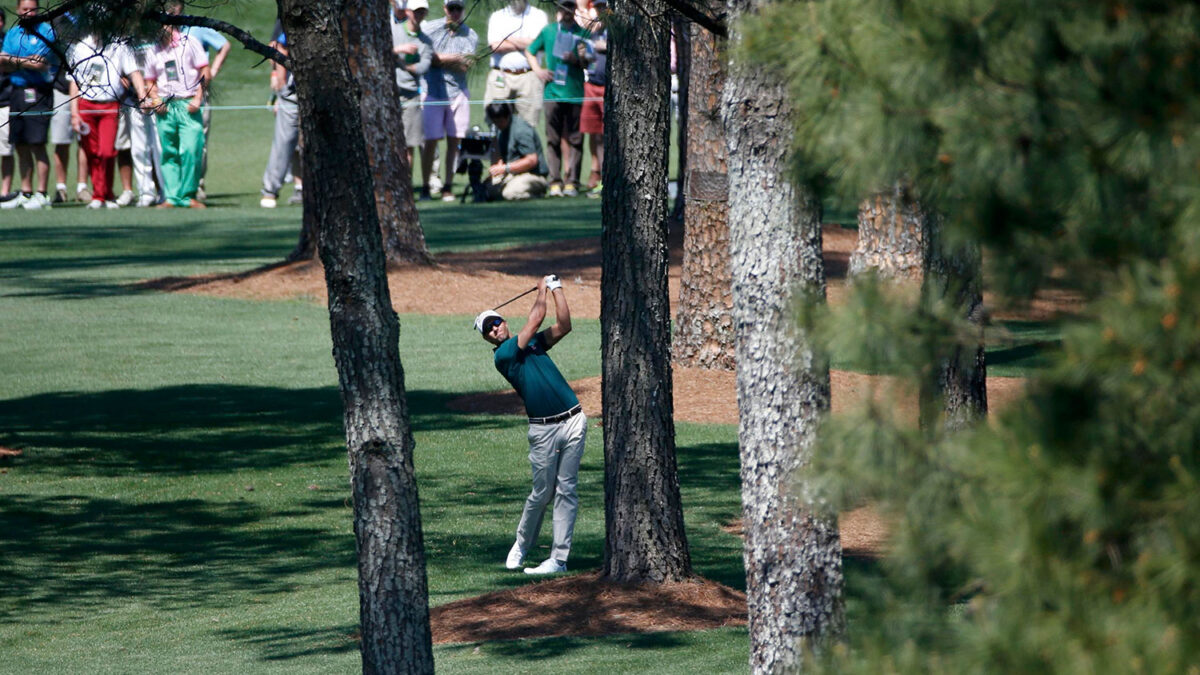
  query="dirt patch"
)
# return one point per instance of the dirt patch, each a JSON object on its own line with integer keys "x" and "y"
{"x": 584, "y": 604}
{"x": 710, "y": 396}
{"x": 864, "y": 532}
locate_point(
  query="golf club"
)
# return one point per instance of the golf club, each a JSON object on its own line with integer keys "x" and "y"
{"x": 515, "y": 297}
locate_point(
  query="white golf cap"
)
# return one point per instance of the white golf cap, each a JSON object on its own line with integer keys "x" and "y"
{"x": 484, "y": 316}
{"x": 416, "y": 4}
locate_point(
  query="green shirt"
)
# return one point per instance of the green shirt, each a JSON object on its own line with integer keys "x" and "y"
{"x": 535, "y": 377}
{"x": 545, "y": 41}
{"x": 518, "y": 140}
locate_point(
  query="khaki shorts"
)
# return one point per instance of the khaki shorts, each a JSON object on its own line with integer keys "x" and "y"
{"x": 5, "y": 146}
{"x": 61, "y": 131}
{"x": 414, "y": 130}
{"x": 124, "y": 142}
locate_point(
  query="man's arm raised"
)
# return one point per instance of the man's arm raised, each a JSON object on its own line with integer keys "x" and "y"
{"x": 562, "y": 313}
{"x": 537, "y": 314}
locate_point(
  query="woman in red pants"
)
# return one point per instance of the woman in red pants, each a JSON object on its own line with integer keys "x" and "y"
{"x": 99, "y": 74}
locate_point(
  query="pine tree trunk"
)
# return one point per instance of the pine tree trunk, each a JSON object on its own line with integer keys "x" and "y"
{"x": 393, "y": 596}
{"x": 901, "y": 241}
{"x": 953, "y": 274}
{"x": 682, "y": 35}
{"x": 645, "y": 539}
{"x": 792, "y": 549}
{"x": 369, "y": 48}
{"x": 891, "y": 236}
{"x": 704, "y": 319}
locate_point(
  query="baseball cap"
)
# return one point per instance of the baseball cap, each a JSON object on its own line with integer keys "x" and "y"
{"x": 484, "y": 316}
{"x": 454, "y": 3}
{"x": 416, "y": 4}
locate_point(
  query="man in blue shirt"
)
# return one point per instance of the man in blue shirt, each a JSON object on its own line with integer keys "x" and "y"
{"x": 32, "y": 66}
{"x": 557, "y": 425}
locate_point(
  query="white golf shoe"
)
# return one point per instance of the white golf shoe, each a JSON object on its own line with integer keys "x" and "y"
{"x": 516, "y": 555}
{"x": 548, "y": 566}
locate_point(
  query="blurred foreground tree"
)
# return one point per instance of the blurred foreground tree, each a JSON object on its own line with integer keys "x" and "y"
{"x": 1065, "y": 138}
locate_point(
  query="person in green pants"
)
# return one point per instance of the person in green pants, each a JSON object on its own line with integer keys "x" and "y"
{"x": 177, "y": 73}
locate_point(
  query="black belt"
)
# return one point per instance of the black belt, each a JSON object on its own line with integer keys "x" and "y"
{"x": 510, "y": 71}
{"x": 554, "y": 419}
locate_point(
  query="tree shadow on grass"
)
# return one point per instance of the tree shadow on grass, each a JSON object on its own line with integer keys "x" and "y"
{"x": 71, "y": 555}
{"x": 190, "y": 429}
{"x": 282, "y": 643}
{"x": 46, "y": 268}
{"x": 710, "y": 484}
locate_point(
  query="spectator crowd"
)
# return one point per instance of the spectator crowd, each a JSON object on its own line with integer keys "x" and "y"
{"x": 139, "y": 113}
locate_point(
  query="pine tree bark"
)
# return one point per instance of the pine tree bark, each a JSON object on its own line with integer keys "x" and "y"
{"x": 953, "y": 274}
{"x": 645, "y": 539}
{"x": 393, "y": 595}
{"x": 891, "y": 236}
{"x": 369, "y": 48}
{"x": 704, "y": 335}
{"x": 310, "y": 230}
{"x": 901, "y": 241}
{"x": 792, "y": 548}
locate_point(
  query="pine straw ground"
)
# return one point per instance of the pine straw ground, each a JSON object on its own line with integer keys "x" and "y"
{"x": 583, "y": 604}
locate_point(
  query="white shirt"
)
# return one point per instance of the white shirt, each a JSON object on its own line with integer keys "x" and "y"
{"x": 504, "y": 24}
{"x": 98, "y": 72}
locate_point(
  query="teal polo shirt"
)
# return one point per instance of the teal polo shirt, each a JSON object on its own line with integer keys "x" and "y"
{"x": 535, "y": 377}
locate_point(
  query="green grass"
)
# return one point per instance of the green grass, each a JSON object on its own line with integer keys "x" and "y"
{"x": 181, "y": 504}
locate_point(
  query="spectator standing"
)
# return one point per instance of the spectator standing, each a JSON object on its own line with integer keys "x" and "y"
{"x": 33, "y": 66}
{"x": 519, "y": 170}
{"x": 212, "y": 41}
{"x": 511, "y": 29}
{"x": 6, "y": 154}
{"x": 138, "y": 158}
{"x": 177, "y": 73}
{"x": 287, "y": 130}
{"x": 414, "y": 54}
{"x": 95, "y": 92}
{"x": 591, "y": 117}
{"x": 62, "y": 134}
{"x": 563, "y": 45}
{"x": 446, "y": 106}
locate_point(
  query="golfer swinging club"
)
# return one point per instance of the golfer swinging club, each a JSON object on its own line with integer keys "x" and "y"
{"x": 557, "y": 425}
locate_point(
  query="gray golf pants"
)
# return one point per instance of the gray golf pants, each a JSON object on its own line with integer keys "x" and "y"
{"x": 287, "y": 135}
{"x": 554, "y": 453}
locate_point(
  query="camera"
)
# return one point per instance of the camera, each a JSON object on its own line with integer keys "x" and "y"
{"x": 473, "y": 151}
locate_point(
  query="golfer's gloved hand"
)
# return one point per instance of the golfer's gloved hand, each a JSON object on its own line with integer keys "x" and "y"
{"x": 552, "y": 282}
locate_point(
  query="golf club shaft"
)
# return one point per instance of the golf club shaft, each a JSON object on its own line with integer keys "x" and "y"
{"x": 517, "y": 297}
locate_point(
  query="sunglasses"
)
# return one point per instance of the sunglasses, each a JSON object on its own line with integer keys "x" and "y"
{"x": 491, "y": 323}
{"x": 454, "y": 8}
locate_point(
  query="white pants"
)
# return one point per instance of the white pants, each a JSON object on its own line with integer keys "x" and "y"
{"x": 555, "y": 451}
{"x": 143, "y": 146}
